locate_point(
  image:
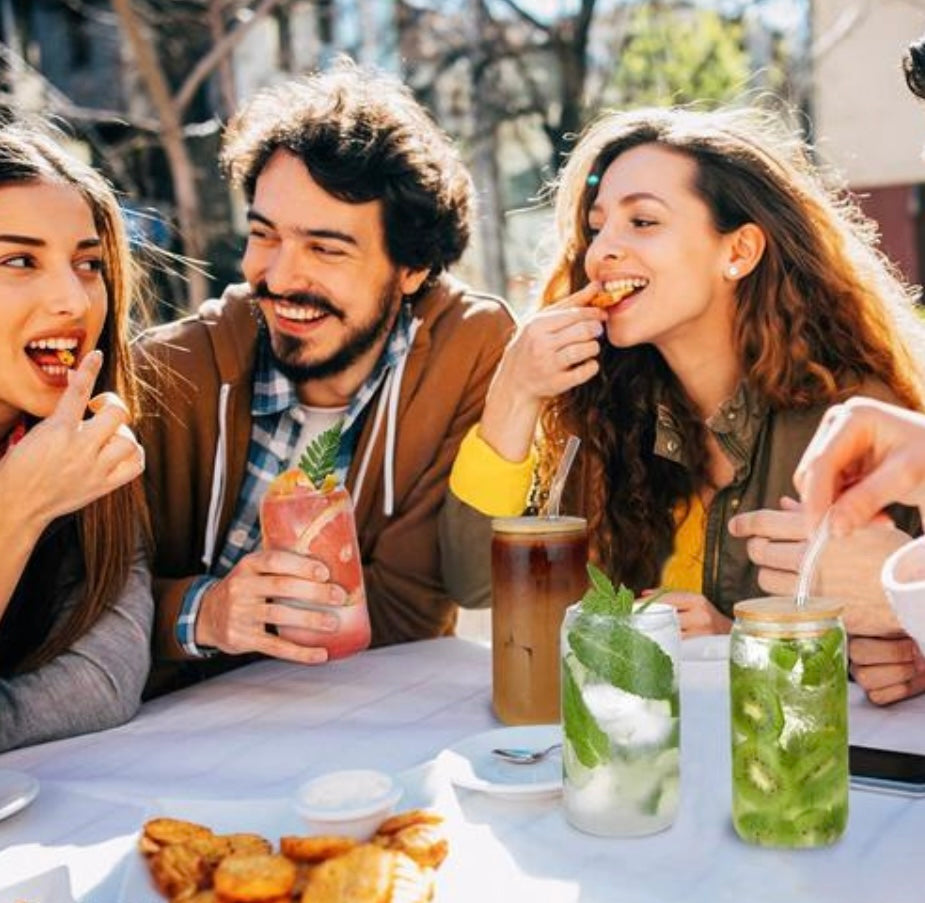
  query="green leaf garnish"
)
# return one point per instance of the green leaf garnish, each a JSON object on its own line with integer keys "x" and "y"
{"x": 320, "y": 458}
{"x": 591, "y": 744}
{"x": 602, "y": 598}
{"x": 614, "y": 649}
{"x": 624, "y": 657}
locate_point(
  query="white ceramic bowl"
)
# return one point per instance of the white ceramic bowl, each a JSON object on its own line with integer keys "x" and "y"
{"x": 349, "y": 803}
{"x": 903, "y": 579}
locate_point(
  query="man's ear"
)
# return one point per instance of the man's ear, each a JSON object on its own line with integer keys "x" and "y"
{"x": 746, "y": 248}
{"x": 410, "y": 281}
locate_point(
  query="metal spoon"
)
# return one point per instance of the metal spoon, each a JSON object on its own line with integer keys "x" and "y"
{"x": 519, "y": 756}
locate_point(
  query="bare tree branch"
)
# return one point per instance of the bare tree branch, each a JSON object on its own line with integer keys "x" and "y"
{"x": 181, "y": 166}
{"x": 527, "y": 17}
{"x": 204, "y": 68}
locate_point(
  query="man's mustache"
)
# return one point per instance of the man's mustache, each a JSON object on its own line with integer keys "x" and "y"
{"x": 312, "y": 299}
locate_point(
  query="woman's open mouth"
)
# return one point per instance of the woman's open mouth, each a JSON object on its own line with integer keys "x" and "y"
{"x": 618, "y": 290}
{"x": 54, "y": 355}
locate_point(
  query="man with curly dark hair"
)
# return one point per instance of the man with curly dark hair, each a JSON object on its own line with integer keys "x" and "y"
{"x": 357, "y": 205}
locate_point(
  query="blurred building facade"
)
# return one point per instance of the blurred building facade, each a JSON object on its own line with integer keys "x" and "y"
{"x": 867, "y": 123}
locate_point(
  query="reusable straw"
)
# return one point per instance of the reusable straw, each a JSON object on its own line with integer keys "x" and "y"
{"x": 560, "y": 476}
{"x": 811, "y": 559}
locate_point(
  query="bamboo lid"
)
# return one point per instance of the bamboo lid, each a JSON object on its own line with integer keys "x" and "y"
{"x": 784, "y": 609}
{"x": 535, "y": 526}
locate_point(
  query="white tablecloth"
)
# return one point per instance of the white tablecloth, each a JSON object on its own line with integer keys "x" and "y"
{"x": 231, "y": 752}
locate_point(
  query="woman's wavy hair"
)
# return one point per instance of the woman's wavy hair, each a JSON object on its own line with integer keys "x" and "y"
{"x": 108, "y": 527}
{"x": 822, "y": 311}
{"x": 363, "y": 137}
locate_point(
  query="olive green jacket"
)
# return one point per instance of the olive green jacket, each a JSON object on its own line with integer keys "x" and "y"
{"x": 764, "y": 447}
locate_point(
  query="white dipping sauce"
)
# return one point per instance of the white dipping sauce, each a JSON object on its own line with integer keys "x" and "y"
{"x": 345, "y": 789}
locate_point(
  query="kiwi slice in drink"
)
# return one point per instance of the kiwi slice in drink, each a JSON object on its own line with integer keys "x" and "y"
{"x": 823, "y": 660}
{"x": 820, "y": 776}
{"x": 761, "y": 828}
{"x": 820, "y": 826}
{"x": 756, "y": 710}
{"x": 756, "y": 774}
{"x": 784, "y": 655}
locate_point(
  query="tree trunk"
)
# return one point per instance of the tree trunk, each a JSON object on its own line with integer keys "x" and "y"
{"x": 181, "y": 168}
{"x": 225, "y": 72}
{"x": 485, "y": 170}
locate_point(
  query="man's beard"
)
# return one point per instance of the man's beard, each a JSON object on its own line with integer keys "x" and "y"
{"x": 286, "y": 349}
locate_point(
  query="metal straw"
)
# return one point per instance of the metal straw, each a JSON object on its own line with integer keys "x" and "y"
{"x": 811, "y": 559}
{"x": 558, "y": 480}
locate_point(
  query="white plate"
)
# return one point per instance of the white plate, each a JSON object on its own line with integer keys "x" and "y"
{"x": 471, "y": 764}
{"x": 53, "y": 886}
{"x": 17, "y": 790}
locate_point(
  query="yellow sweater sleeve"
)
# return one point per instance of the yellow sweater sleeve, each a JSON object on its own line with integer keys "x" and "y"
{"x": 487, "y": 482}
{"x": 684, "y": 569}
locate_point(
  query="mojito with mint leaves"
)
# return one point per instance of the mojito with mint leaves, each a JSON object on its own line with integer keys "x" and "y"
{"x": 620, "y": 712}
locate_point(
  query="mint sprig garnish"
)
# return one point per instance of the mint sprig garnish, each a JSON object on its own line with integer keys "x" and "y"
{"x": 602, "y": 599}
{"x": 615, "y": 650}
{"x": 591, "y": 744}
{"x": 320, "y": 457}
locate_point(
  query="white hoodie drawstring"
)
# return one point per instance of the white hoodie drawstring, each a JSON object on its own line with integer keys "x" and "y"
{"x": 367, "y": 454}
{"x": 217, "y": 495}
{"x": 391, "y": 391}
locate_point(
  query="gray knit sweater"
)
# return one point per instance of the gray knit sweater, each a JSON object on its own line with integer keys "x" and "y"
{"x": 96, "y": 683}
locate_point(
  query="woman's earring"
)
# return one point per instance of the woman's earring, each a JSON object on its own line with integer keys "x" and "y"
{"x": 733, "y": 271}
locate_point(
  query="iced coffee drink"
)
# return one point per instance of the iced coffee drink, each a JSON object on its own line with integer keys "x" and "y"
{"x": 538, "y": 571}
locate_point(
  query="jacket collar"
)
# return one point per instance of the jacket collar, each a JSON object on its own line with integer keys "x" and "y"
{"x": 736, "y": 425}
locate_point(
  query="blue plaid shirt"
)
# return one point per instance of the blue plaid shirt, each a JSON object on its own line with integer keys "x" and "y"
{"x": 275, "y": 430}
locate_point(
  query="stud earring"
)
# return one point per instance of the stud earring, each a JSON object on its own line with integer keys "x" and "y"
{"x": 733, "y": 271}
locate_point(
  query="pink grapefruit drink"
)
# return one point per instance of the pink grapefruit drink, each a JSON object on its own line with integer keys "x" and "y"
{"x": 319, "y": 523}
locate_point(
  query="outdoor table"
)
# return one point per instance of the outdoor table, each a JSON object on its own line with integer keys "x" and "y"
{"x": 233, "y": 750}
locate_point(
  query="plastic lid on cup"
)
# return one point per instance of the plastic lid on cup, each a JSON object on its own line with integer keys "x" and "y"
{"x": 535, "y": 525}
{"x": 783, "y": 609}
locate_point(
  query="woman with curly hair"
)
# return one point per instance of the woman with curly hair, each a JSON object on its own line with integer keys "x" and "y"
{"x": 737, "y": 297}
{"x": 75, "y": 595}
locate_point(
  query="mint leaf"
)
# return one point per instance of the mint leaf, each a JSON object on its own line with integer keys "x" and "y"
{"x": 623, "y": 656}
{"x": 625, "y": 599}
{"x": 591, "y": 744}
{"x": 320, "y": 458}
{"x": 602, "y": 599}
{"x": 599, "y": 580}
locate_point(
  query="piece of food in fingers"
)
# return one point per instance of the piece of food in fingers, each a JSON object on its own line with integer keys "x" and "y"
{"x": 617, "y": 290}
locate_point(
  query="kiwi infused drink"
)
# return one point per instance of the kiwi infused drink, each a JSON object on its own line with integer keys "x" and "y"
{"x": 789, "y": 721}
{"x": 620, "y": 712}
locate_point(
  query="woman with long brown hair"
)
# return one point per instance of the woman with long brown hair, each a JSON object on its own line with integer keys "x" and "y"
{"x": 75, "y": 600}
{"x": 738, "y": 297}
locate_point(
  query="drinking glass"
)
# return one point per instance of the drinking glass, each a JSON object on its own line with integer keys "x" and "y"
{"x": 789, "y": 717}
{"x": 538, "y": 569}
{"x": 621, "y": 720}
{"x": 320, "y": 524}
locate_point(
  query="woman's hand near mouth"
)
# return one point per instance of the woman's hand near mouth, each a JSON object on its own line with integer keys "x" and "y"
{"x": 65, "y": 462}
{"x": 554, "y": 350}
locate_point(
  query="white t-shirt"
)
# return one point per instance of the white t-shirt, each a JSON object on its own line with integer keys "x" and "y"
{"x": 314, "y": 422}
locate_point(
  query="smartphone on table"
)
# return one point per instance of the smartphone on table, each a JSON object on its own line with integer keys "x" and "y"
{"x": 887, "y": 770}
